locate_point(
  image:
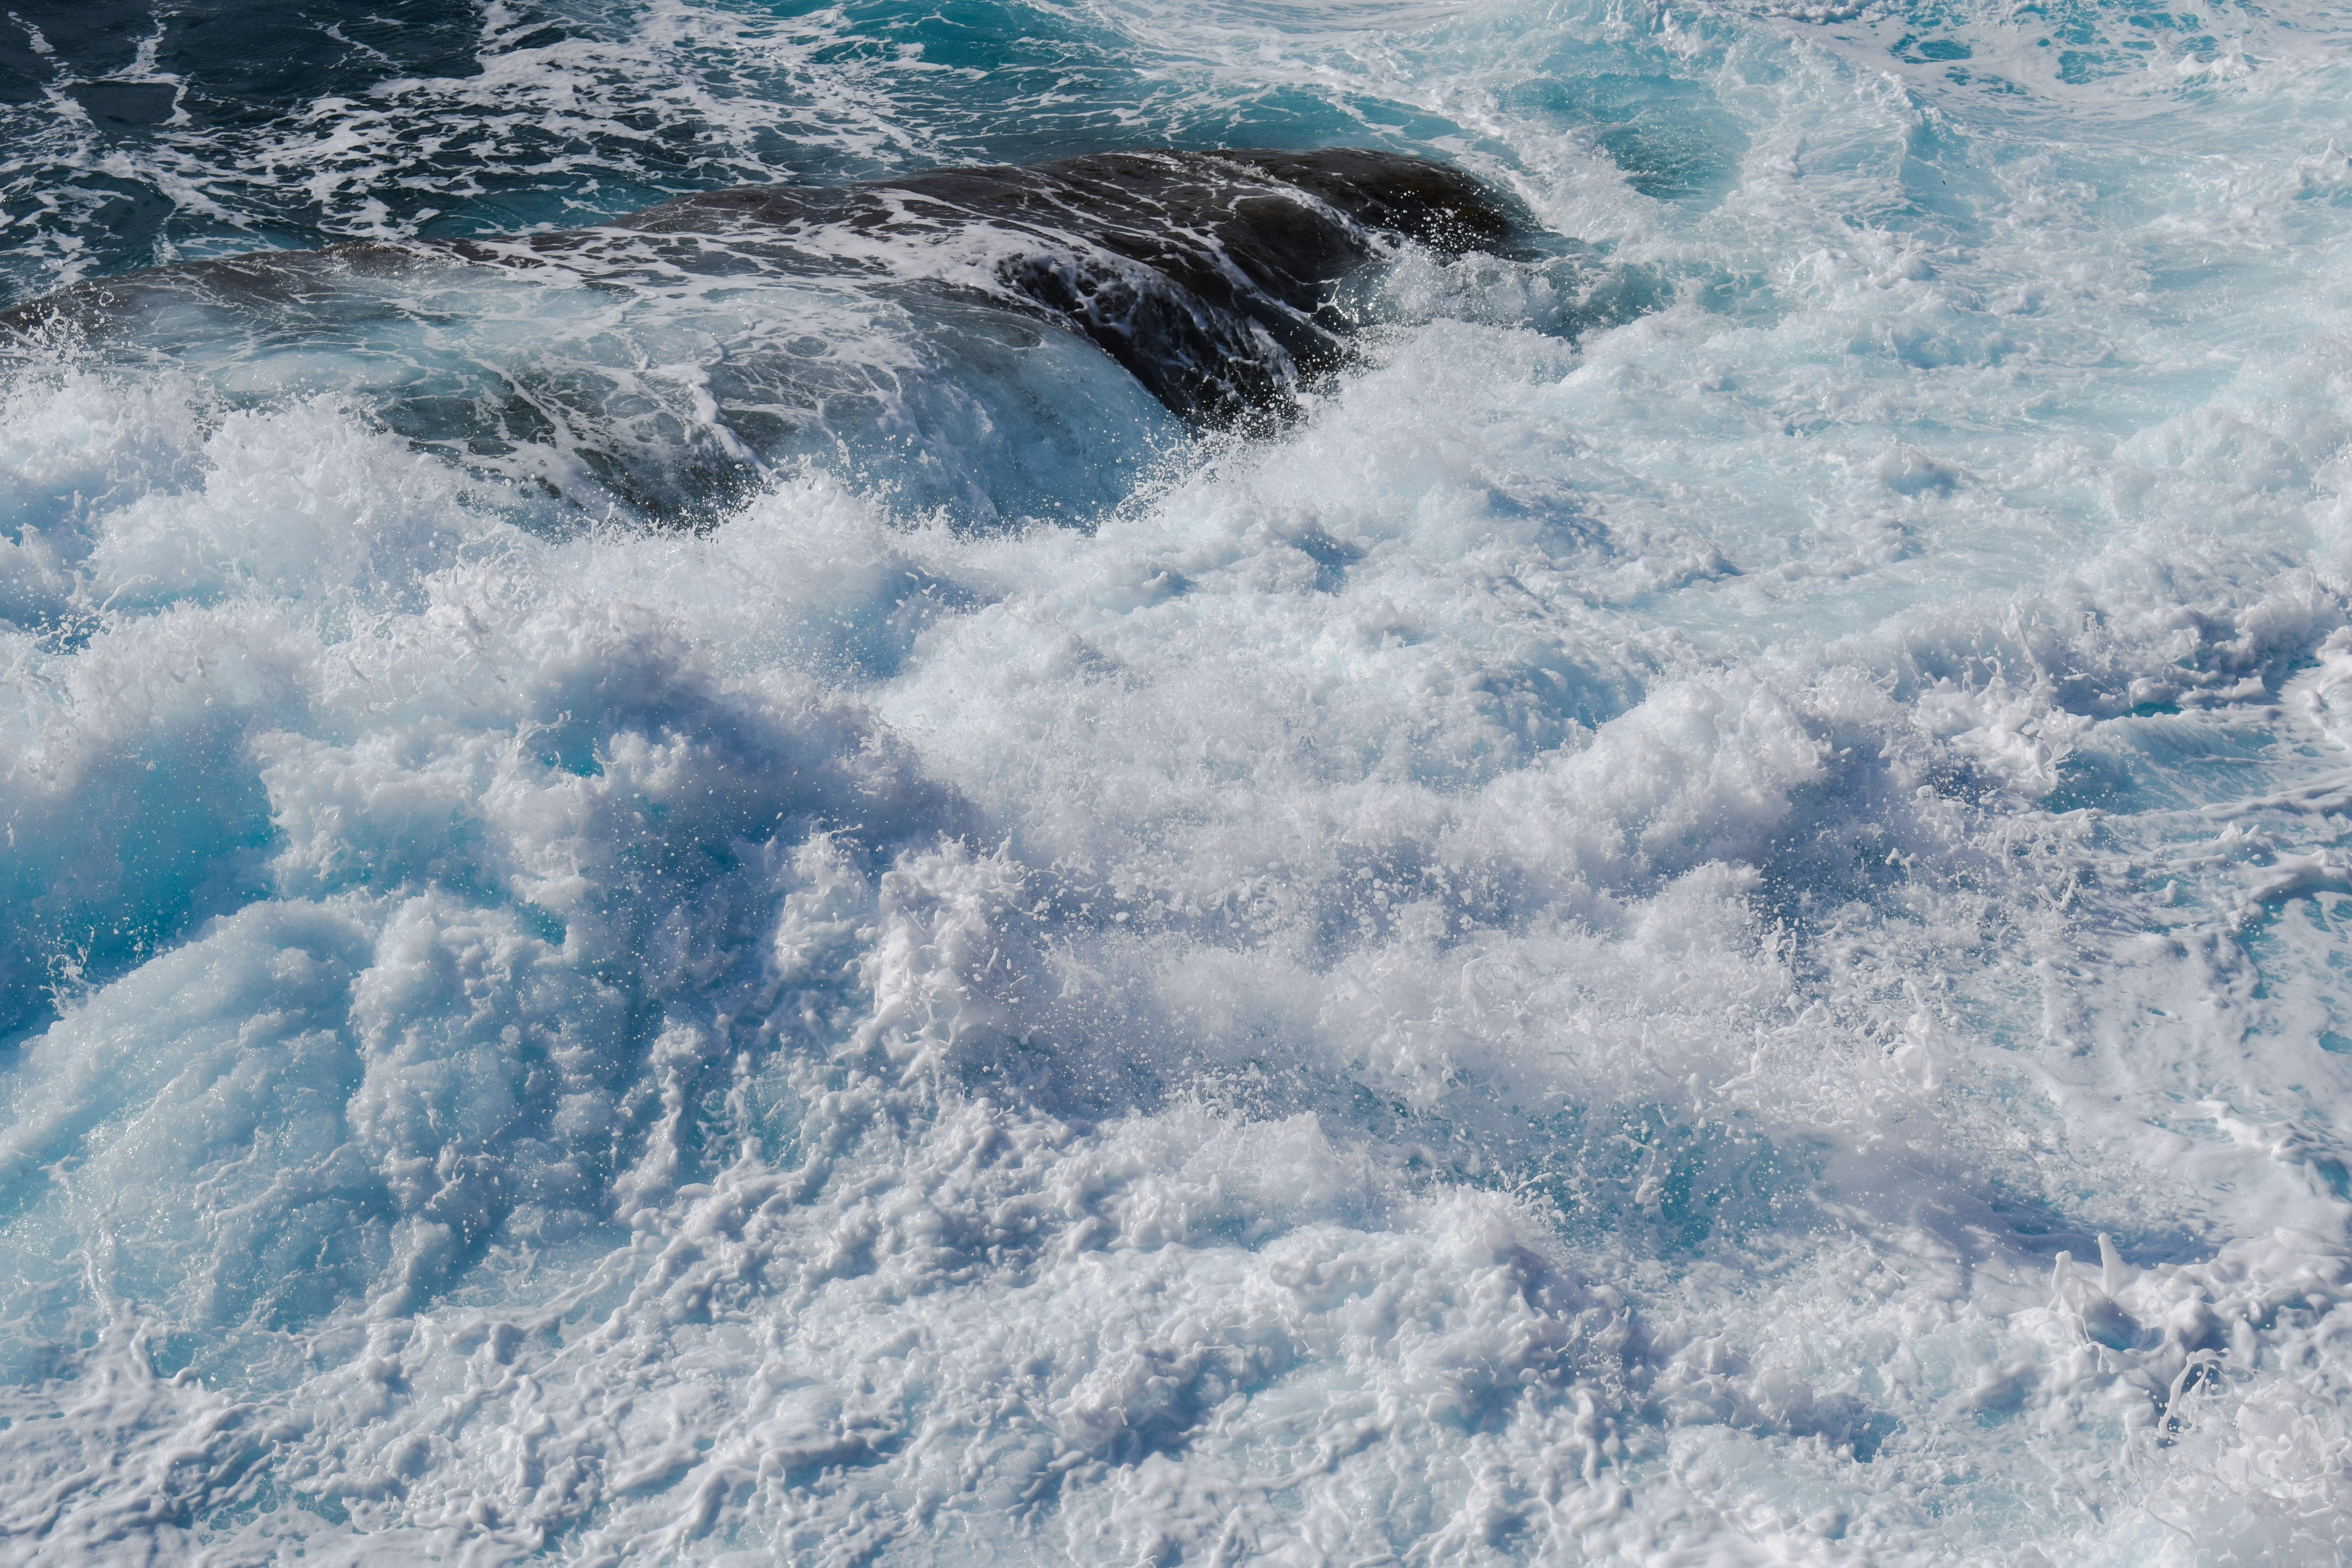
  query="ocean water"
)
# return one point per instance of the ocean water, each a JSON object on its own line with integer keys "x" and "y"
{"x": 1697, "y": 910}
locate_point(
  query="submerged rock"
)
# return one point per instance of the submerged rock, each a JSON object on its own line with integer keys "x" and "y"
{"x": 1209, "y": 276}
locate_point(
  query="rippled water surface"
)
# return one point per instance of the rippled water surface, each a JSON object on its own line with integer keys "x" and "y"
{"x": 1695, "y": 910}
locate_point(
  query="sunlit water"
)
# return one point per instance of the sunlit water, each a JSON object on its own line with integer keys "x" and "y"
{"x": 1701, "y": 919}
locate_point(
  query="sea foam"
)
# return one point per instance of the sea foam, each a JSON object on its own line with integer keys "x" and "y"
{"x": 1695, "y": 923}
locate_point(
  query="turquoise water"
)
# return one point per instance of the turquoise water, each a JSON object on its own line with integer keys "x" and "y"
{"x": 1695, "y": 916}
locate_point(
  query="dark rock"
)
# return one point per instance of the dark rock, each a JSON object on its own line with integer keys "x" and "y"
{"x": 1209, "y": 276}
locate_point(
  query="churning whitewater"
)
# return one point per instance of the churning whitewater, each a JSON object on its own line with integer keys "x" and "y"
{"x": 1176, "y": 780}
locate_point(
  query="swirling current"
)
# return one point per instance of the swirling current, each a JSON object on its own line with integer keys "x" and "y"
{"x": 1348, "y": 782}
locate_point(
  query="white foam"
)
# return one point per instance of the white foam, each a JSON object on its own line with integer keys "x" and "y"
{"x": 1715, "y": 943}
